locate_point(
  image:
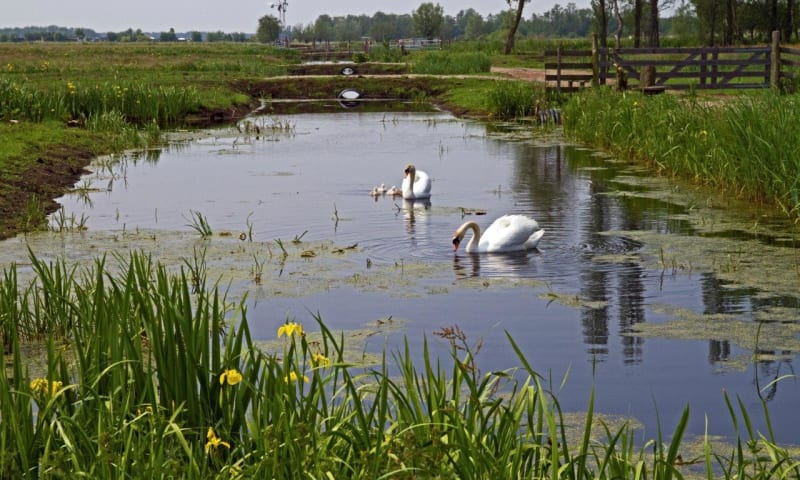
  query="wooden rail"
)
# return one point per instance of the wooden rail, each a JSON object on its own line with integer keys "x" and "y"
{"x": 657, "y": 69}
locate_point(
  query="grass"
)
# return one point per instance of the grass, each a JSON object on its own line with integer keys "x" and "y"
{"x": 450, "y": 63}
{"x": 144, "y": 377}
{"x": 747, "y": 146}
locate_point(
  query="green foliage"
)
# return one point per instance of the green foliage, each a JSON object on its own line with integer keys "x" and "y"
{"x": 382, "y": 53}
{"x": 269, "y": 28}
{"x": 447, "y": 63}
{"x": 138, "y": 103}
{"x": 145, "y": 378}
{"x": 34, "y": 215}
{"x": 514, "y": 99}
{"x": 748, "y": 145}
{"x": 428, "y": 20}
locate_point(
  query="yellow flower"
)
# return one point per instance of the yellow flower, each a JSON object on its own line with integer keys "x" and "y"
{"x": 293, "y": 377}
{"x": 214, "y": 441}
{"x": 320, "y": 360}
{"x": 231, "y": 376}
{"x": 43, "y": 385}
{"x": 290, "y": 329}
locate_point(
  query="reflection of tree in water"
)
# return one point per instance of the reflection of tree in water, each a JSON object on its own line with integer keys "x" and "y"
{"x": 550, "y": 180}
{"x": 769, "y": 374}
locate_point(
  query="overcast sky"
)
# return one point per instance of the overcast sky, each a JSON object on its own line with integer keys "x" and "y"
{"x": 214, "y": 15}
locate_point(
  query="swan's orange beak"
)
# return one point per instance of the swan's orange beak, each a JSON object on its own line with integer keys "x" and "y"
{"x": 456, "y": 242}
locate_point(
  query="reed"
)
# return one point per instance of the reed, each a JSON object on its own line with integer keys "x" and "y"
{"x": 145, "y": 378}
{"x": 451, "y": 63}
{"x": 512, "y": 99}
{"x": 139, "y": 104}
{"x": 748, "y": 146}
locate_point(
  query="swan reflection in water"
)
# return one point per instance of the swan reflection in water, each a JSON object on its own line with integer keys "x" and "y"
{"x": 413, "y": 210}
{"x": 517, "y": 264}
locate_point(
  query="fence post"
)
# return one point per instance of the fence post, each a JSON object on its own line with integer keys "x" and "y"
{"x": 775, "y": 61}
{"x": 558, "y": 68}
{"x": 595, "y": 61}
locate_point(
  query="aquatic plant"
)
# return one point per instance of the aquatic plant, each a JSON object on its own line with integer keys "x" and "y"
{"x": 144, "y": 378}
{"x": 514, "y": 99}
{"x": 199, "y": 223}
{"x": 748, "y": 146}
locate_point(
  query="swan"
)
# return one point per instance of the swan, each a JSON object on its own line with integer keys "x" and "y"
{"x": 381, "y": 188}
{"x": 508, "y": 233}
{"x": 394, "y": 191}
{"x": 416, "y": 183}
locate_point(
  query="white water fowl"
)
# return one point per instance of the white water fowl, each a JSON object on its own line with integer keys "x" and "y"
{"x": 416, "y": 183}
{"x": 509, "y": 233}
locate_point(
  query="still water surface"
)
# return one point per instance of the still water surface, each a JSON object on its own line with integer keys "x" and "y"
{"x": 296, "y": 181}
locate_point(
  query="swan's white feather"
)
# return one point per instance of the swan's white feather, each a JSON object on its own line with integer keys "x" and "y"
{"x": 508, "y": 233}
{"x": 421, "y": 187}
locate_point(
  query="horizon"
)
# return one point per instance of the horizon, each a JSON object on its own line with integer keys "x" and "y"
{"x": 205, "y": 16}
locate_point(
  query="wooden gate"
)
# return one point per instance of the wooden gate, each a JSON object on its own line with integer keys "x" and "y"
{"x": 684, "y": 68}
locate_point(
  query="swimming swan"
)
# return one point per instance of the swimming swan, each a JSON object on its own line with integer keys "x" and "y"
{"x": 416, "y": 183}
{"x": 508, "y": 233}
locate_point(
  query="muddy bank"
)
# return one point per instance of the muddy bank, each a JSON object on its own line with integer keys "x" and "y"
{"x": 48, "y": 177}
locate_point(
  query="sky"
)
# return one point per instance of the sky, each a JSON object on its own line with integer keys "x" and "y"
{"x": 225, "y": 15}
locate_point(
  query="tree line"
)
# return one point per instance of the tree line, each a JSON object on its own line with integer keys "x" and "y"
{"x": 632, "y": 22}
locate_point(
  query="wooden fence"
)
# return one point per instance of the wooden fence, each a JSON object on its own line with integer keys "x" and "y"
{"x": 657, "y": 69}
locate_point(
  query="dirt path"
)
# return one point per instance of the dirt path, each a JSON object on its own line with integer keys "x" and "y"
{"x": 529, "y": 74}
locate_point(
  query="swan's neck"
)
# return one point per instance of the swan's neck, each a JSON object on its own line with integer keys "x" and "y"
{"x": 412, "y": 174}
{"x": 472, "y": 246}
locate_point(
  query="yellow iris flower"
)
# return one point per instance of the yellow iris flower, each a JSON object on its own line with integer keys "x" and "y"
{"x": 214, "y": 441}
{"x": 231, "y": 376}
{"x": 43, "y": 385}
{"x": 320, "y": 360}
{"x": 293, "y": 377}
{"x": 290, "y": 329}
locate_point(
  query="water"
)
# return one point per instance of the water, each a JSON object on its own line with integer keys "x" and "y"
{"x": 296, "y": 183}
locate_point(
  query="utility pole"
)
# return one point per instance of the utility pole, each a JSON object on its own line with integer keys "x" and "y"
{"x": 281, "y": 6}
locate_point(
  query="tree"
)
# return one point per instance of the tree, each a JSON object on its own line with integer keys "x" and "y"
{"x": 196, "y": 36}
{"x": 512, "y": 30}
{"x": 653, "y": 39}
{"x": 323, "y": 28}
{"x": 601, "y": 14}
{"x": 428, "y": 20}
{"x": 347, "y": 28}
{"x": 474, "y": 27}
{"x": 168, "y": 36}
{"x": 269, "y": 29}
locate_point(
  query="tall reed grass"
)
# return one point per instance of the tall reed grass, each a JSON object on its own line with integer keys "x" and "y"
{"x": 138, "y": 104}
{"x": 450, "y": 63}
{"x": 146, "y": 379}
{"x": 748, "y": 146}
{"x": 516, "y": 99}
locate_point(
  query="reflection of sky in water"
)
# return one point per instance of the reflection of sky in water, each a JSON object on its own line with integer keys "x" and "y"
{"x": 288, "y": 184}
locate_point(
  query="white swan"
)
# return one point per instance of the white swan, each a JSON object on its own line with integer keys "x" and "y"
{"x": 508, "y": 233}
{"x": 416, "y": 183}
{"x": 394, "y": 191}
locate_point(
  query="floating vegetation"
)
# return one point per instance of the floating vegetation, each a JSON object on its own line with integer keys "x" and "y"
{"x": 776, "y": 329}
